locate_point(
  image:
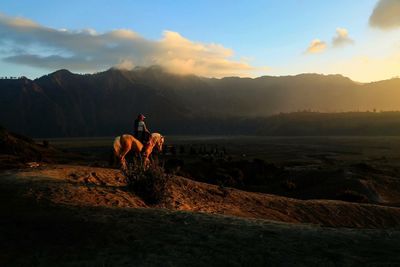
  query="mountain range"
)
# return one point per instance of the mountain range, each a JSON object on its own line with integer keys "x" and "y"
{"x": 106, "y": 103}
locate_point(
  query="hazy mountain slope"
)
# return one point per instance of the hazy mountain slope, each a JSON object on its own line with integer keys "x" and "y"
{"x": 106, "y": 103}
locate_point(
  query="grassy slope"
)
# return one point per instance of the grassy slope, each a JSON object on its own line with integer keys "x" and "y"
{"x": 36, "y": 231}
{"x": 41, "y": 235}
{"x": 90, "y": 186}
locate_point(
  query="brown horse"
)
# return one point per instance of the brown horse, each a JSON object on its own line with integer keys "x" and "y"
{"x": 125, "y": 143}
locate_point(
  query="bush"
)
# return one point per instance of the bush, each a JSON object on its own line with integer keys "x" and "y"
{"x": 149, "y": 183}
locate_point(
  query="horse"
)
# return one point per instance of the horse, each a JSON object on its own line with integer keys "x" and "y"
{"x": 125, "y": 143}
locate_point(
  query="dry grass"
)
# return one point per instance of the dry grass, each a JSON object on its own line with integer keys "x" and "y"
{"x": 41, "y": 235}
{"x": 77, "y": 216}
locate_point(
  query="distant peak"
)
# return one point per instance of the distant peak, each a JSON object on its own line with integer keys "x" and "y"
{"x": 62, "y": 72}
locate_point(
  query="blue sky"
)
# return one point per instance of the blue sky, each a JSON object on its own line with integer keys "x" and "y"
{"x": 263, "y": 37}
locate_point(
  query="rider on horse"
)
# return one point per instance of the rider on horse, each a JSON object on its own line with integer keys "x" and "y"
{"x": 140, "y": 131}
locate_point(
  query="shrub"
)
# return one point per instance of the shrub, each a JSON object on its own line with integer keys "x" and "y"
{"x": 150, "y": 183}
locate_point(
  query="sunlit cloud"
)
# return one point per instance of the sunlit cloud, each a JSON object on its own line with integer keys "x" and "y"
{"x": 18, "y": 22}
{"x": 316, "y": 46}
{"x": 341, "y": 38}
{"x": 386, "y": 15}
{"x": 88, "y": 51}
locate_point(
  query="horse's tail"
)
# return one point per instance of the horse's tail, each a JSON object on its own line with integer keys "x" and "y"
{"x": 116, "y": 151}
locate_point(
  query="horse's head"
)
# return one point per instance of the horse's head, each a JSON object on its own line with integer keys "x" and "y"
{"x": 160, "y": 143}
{"x": 157, "y": 141}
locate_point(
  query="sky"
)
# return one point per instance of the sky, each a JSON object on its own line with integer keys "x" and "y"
{"x": 359, "y": 39}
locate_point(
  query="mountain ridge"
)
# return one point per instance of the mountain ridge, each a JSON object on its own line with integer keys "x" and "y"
{"x": 157, "y": 68}
{"x": 63, "y": 103}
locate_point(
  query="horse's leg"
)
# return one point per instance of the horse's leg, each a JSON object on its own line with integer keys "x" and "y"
{"x": 146, "y": 162}
{"x": 123, "y": 164}
{"x": 139, "y": 158}
{"x": 125, "y": 149}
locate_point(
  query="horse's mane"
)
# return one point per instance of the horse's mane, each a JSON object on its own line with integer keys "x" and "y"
{"x": 155, "y": 137}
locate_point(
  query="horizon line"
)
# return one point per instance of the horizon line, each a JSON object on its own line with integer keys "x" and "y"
{"x": 137, "y": 68}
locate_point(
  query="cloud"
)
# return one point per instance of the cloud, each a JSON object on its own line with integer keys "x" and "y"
{"x": 316, "y": 46}
{"x": 386, "y": 15}
{"x": 341, "y": 38}
{"x": 86, "y": 50}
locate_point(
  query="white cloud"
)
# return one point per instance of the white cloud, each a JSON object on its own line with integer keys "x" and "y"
{"x": 316, "y": 46}
{"x": 88, "y": 50}
{"x": 341, "y": 38}
{"x": 386, "y": 15}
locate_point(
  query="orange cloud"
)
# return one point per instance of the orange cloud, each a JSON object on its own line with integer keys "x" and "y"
{"x": 181, "y": 55}
{"x": 88, "y": 50}
{"x": 316, "y": 46}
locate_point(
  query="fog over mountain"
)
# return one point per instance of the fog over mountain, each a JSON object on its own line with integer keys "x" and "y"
{"x": 106, "y": 103}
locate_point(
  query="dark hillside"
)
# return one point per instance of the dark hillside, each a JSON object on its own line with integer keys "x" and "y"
{"x": 64, "y": 104}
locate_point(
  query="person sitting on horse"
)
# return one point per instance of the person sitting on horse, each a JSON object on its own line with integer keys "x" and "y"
{"x": 141, "y": 132}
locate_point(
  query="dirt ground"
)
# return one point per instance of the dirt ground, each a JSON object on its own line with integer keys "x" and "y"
{"x": 68, "y": 215}
{"x": 90, "y": 186}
